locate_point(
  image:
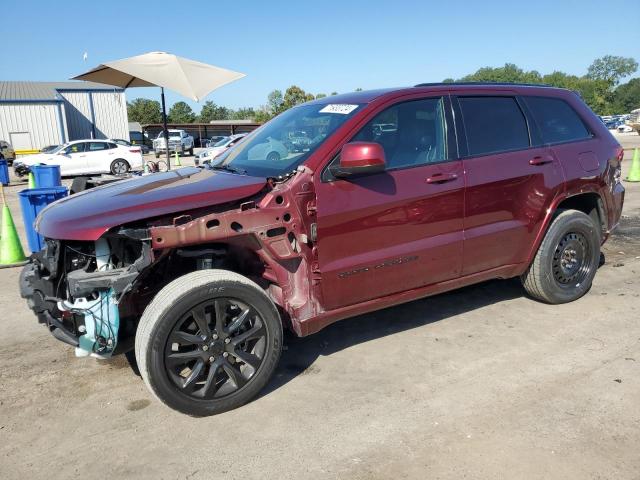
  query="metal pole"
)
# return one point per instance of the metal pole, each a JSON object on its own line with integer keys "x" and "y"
{"x": 164, "y": 126}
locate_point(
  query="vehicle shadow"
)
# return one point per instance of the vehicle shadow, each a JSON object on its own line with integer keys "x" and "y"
{"x": 300, "y": 353}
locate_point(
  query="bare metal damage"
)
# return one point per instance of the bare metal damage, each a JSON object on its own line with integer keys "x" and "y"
{"x": 278, "y": 227}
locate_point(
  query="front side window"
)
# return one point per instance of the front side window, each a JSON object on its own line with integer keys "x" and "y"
{"x": 411, "y": 133}
{"x": 493, "y": 125}
{"x": 269, "y": 151}
{"x": 558, "y": 122}
{"x": 74, "y": 148}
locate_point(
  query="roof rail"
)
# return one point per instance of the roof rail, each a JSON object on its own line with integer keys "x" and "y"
{"x": 492, "y": 84}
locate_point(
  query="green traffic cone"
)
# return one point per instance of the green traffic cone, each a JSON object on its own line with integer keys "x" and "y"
{"x": 32, "y": 181}
{"x": 146, "y": 168}
{"x": 634, "y": 173}
{"x": 177, "y": 163}
{"x": 11, "y": 253}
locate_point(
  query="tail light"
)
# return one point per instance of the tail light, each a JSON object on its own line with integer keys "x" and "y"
{"x": 617, "y": 171}
{"x": 134, "y": 150}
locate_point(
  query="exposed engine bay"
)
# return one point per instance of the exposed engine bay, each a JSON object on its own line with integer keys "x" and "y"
{"x": 91, "y": 294}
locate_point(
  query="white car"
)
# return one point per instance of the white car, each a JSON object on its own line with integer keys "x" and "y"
{"x": 223, "y": 145}
{"x": 87, "y": 157}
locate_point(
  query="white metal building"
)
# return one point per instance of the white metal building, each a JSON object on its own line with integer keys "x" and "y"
{"x": 36, "y": 114}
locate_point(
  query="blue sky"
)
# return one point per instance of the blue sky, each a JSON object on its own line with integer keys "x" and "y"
{"x": 321, "y": 46}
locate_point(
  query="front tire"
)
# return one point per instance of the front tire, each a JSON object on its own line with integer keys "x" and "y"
{"x": 191, "y": 152}
{"x": 567, "y": 259}
{"x": 208, "y": 342}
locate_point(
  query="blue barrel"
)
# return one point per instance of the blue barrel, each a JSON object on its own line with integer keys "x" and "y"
{"x": 4, "y": 172}
{"x": 32, "y": 201}
{"x": 46, "y": 176}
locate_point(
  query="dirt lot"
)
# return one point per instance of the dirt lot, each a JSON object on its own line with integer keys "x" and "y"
{"x": 479, "y": 383}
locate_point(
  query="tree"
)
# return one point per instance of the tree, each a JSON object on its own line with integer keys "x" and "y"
{"x": 180, "y": 112}
{"x": 627, "y": 96}
{"x": 211, "y": 111}
{"x": 509, "y": 73}
{"x": 144, "y": 111}
{"x": 293, "y": 96}
{"x": 320, "y": 95}
{"x": 358, "y": 89}
{"x": 274, "y": 102}
{"x": 612, "y": 69}
{"x": 243, "y": 114}
{"x": 333, "y": 93}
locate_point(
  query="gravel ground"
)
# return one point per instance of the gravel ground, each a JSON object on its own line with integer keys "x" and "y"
{"x": 478, "y": 383}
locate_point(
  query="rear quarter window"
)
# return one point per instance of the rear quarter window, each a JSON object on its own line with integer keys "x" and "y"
{"x": 557, "y": 120}
{"x": 493, "y": 124}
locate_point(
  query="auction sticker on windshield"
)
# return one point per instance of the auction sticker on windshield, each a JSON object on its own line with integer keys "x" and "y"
{"x": 341, "y": 108}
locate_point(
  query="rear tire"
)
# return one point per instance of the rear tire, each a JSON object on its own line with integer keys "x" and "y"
{"x": 191, "y": 152}
{"x": 566, "y": 261}
{"x": 120, "y": 167}
{"x": 208, "y": 342}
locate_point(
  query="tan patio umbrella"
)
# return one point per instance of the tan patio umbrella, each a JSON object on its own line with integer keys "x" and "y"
{"x": 189, "y": 78}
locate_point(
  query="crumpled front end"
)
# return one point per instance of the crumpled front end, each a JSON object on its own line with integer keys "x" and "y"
{"x": 76, "y": 289}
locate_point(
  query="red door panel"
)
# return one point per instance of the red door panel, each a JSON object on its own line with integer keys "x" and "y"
{"x": 506, "y": 200}
{"x": 389, "y": 232}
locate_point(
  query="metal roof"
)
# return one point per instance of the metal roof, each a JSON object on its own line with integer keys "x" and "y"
{"x": 44, "y": 91}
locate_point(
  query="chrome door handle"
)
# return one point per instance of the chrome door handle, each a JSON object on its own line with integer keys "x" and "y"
{"x": 540, "y": 160}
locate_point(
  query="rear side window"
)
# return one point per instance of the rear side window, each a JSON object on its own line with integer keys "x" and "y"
{"x": 94, "y": 146}
{"x": 557, "y": 120}
{"x": 493, "y": 124}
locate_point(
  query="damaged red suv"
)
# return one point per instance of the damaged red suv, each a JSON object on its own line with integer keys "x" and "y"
{"x": 395, "y": 195}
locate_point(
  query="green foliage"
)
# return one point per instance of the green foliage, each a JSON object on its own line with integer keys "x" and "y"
{"x": 611, "y": 69}
{"x": 596, "y": 88}
{"x": 246, "y": 113}
{"x": 181, "y": 112}
{"x": 144, "y": 111}
{"x": 274, "y": 102}
{"x": 627, "y": 96}
{"x": 211, "y": 111}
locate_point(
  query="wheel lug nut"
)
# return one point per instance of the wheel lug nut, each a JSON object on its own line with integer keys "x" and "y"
{"x": 227, "y": 340}
{"x": 205, "y": 348}
{"x": 225, "y": 354}
{"x": 212, "y": 359}
{"x": 214, "y": 336}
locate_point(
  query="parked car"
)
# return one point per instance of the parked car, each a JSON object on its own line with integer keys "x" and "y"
{"x": 7, "y": 152}
{"x": 82, "y": 157}
{"x": 271, "y": 149}
{"x": 202, "y": 268}
{"x": 624, "y": 128}
{"x": 634, "y": 120}
{"x": 139, "y": 138}
{"x": 48, "y": 148}
{"x": 179, "y": 141}
{"x": 213, "y": 140}
{"x": 217, "y": 149}
{"x": 145, "y": 149}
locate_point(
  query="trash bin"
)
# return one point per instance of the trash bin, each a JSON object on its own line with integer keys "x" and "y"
{"x": 32, "y": 201}
{"x": 46, "y": 176}
{"x": 4, "y": 172}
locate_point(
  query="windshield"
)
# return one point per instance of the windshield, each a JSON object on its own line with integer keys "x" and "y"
{"x": 286, "y": 141}
{"x": 222, "y": 142}
{"x": 171, "y": 134}
{"x": 58, "y": 148}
